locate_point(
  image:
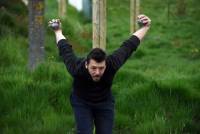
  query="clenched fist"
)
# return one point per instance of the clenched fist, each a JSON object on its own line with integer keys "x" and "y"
{"x": 143, "y": 20}
{"x": 55, "y": 24}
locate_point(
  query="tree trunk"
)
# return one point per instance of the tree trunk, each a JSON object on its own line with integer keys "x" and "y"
{"x": 134, "y": 12}
{"x": 36, "y": 32}
{"x": 99, "y": 24}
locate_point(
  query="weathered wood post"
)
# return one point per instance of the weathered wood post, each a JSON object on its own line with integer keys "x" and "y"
{"x": 25, "y": 2}
{"x": 134, "y": 12}
{"x": 62, "y": 8}
{"x": 36, "y": 32}
{"x": 99, "y": 24}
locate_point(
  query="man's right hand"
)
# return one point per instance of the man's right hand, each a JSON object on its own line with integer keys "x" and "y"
{"x": 55, "y": 24}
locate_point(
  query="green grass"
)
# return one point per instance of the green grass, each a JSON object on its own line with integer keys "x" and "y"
{"x": 157, "y": 91}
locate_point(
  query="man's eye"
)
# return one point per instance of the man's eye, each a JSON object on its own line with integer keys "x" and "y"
{"x": 101, "y": 68}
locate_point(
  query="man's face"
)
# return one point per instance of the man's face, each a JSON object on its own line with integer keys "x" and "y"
{"x": 95, "y": 69}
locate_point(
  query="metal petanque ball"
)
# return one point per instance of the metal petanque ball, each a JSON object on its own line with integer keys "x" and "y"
{"x": 55, "y": 25}
{"x": 140, "y": 23}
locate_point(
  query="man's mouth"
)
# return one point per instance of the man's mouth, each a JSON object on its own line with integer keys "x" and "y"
{"x": 96, "y": 78}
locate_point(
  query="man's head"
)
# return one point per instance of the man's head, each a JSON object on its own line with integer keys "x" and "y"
{"x": 96, "y": 63}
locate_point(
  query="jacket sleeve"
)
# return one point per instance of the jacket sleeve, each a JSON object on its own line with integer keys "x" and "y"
{"x": 68, "y": 56}
{"x": 119, "y": 56}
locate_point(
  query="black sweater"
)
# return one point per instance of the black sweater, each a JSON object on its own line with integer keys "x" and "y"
{"x": 83, "y": 85}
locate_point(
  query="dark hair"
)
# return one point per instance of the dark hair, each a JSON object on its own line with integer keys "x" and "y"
{"x": 96, "y": 54}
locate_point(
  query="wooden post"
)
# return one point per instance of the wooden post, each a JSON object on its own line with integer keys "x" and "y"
{"x": 25, "y": 2}
{"x": 62, "y": 5}
{"x": 36, "y": 32}
{"x": 134, "y": 12}
{"x": 99, "y": 24}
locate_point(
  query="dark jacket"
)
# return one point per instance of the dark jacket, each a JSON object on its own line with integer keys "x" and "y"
{"x": 83, "y": 85}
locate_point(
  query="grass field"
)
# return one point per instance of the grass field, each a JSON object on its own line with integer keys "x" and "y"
{"x": 157, "y": 91}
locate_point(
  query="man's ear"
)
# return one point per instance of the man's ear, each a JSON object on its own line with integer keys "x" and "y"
{"x": 86, "y": 65}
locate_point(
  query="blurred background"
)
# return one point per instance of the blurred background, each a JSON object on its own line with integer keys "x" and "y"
{"x": 157, "y": 91}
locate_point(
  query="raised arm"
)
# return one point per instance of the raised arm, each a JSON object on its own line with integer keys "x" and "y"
{"x": 65, "y": 49}
{"x": 119, "y": 57}
{"x": 144, "y": 23}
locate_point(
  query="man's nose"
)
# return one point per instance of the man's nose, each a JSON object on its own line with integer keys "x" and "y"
{"x": 97, "y": 71}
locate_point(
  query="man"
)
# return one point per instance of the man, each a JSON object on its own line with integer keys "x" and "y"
{"x": 91, "y": 97}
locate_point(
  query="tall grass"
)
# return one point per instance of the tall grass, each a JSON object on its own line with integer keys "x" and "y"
{"x": 157, "y": 91}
